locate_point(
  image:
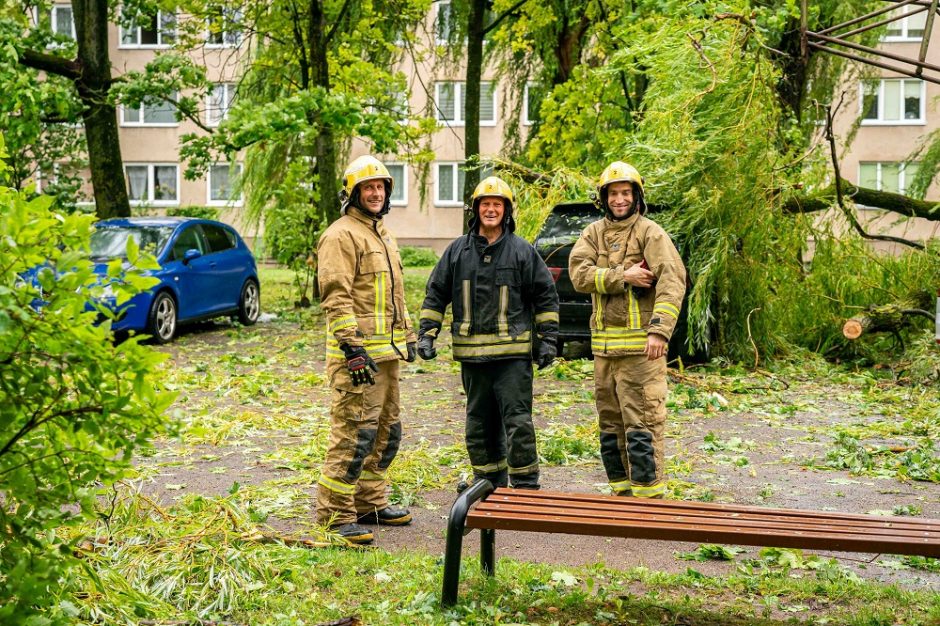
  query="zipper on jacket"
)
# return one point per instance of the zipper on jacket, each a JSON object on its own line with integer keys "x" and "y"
{"x": 391, "y": 272}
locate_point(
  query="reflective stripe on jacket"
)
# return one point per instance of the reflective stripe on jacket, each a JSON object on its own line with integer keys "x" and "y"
{"x": 499, "y": 293}
{"x": 362, "y": 290}
{"x": 622, "y": 315}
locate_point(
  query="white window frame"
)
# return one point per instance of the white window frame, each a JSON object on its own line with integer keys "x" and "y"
{"x": 233, "y": 202}
{"x": 150, "y": 201}
{"x": 404, "y": 184}
{"x": 459, "y": 102}
{"x": 904, "y": 36}
{"x": 149, "y": 46}
{"x": 903, "y": 183}
{"x": 223, "y": 43}
{"x": 880, "y": 121}
{"x": 437, "y": 17}
{"x": 229, "y": 96}
{"x": 144, "y": 124}
{"x": 457, "y": 201}
{"x": 53, "y": 23}
{"x": 525, "y": 106}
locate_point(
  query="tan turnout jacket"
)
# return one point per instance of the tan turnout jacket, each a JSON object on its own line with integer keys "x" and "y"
{"x": 624, "y": 315}
{"x": 362, "y": 290}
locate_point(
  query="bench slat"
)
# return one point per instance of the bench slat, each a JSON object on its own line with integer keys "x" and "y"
{"x": 878, "y": 529}
{"x": 762, "y": 516}
{"x": 556, "y": 498}
{"x": 711, "y": 533}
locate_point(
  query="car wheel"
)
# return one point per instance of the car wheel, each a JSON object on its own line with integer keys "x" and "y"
{"x": 249, "y": 304}
{"x": 161, "y": 324}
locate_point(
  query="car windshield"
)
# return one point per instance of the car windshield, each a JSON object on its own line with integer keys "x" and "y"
{"x": 562, "y": 227}
{"x": 110, "y": 242}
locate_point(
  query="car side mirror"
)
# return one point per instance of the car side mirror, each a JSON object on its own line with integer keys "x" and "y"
{"x": 191, "y": 254}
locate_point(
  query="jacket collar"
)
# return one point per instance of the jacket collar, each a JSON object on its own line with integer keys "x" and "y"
{"x": 358, "y": 215}
{"x": 626, "y": 224}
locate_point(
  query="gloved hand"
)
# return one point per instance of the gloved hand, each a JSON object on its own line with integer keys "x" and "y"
{"x": 426, "y": 347}
{"x": 546, "y": 353}
{"x": 412, "y": 352}
{"x": 360, "y": 365}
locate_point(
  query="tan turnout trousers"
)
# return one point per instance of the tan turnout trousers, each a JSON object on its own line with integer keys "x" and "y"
{"x": 365, "y": 433}
{"x": 630, "y": 392}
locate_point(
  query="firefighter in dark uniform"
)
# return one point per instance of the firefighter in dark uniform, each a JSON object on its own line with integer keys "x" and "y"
{"x": 505, "y": 311}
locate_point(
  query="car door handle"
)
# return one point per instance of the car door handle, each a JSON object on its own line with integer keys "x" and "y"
{"x": 212, "y": 264}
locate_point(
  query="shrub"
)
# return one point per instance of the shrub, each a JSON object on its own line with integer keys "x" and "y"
{"x": 74, "y": 406}
{"x": 201, "y": 212}
{"x": 413, "y": 256}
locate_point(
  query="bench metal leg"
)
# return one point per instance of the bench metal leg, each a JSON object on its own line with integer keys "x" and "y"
{"x": 456, "y": 523}
{"x": 488, "y": 551}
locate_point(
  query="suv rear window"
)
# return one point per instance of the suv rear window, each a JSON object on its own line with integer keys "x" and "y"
{"x": 565, "y": 225}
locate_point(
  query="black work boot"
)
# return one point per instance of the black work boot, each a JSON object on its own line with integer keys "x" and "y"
{"x": 353, "y": 533}
{"x": 389, "y": 516}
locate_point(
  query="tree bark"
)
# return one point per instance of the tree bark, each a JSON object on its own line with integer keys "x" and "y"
{"x": 325, "y": 147}
{"x": 475, "y": 34}
{"x": 886, "y": 200}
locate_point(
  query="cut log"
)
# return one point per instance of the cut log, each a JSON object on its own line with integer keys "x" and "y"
{"x": 881, "y": 318}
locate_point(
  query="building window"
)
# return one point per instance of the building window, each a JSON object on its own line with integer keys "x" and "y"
{"x": 444, "y": 22}
{"x": 151, "y": 112}
{"x": 149, "y": 31}
{"x": 449, "y": 184}
{"x": 63, "y": 20}
{"x": 450, "y": 100}
{"x": 224, "y": 28}
{"x": 893, "y": 101}
{"x": 532, "y": 104}
{"x": 909, "y": 28}
{"x": 399, "y": 183}
{"x": 887, "y": 176}
{"x": 223, "y": 178}
{"x": 219, "y": 102}
{"x": 153, "y": 183}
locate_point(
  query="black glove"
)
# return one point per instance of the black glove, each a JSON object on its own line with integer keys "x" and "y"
{"x": 412, "y": 352}
{"x": 546, "y": 353}
{"x": 359, "y": 363}
{"x": 426, "y": 347}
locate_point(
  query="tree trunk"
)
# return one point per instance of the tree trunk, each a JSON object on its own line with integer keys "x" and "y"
{"x": 325, "y": 147}
{"x": 90, "y": 72}
{"x": 475, "y": 33}
{"x": 99, "y": 116}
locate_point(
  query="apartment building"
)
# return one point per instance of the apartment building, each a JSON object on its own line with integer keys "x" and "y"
{"x": 896, "y": 113}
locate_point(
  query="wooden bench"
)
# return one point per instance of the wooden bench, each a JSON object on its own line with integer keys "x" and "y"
{"x": 490, "y": 510}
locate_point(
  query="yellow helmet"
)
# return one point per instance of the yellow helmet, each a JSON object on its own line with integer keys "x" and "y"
{"x": 617, "y": 172}
{"x": 362, "y": 169}
{"x": 491, "y": 186}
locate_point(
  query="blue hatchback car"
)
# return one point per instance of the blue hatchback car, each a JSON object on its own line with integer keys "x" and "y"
{"x": 206, "y": 271}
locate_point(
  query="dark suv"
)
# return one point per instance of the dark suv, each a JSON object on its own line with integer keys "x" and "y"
{"x": 561, "y": 230}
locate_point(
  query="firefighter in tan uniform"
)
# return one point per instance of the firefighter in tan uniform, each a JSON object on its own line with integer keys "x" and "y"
{"x": 368, "y": 332}
{"x": 637, "y": 281}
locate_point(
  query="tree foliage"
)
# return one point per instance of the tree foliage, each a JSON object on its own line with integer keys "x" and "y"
{"x": 74, "y": 406}
{"x": 715, "y": 133}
